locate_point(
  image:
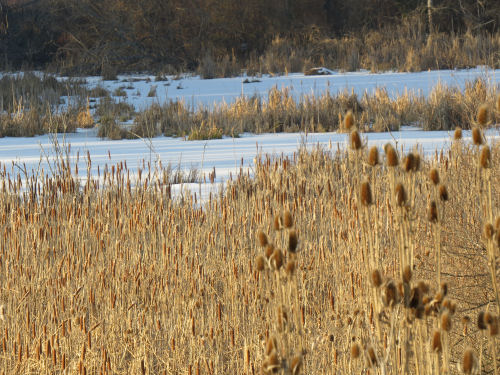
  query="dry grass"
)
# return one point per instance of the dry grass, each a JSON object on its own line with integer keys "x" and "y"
{"x": 104, "y": 277}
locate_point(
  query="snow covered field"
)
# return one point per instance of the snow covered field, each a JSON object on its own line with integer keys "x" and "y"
{"x": 228, "y": 155}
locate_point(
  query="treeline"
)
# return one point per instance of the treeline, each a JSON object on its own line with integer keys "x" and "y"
{"x": 220, "y": 37}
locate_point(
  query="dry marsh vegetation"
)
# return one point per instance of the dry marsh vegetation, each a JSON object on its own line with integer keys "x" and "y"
{"x": 322, "y": 262}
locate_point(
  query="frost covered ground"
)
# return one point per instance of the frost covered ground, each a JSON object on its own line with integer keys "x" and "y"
{"x": 226, "y": 156}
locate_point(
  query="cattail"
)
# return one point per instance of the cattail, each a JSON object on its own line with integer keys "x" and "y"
{"x": 292, "y": 241}
{"x": 366, "y": 194}
{"x": 457, "y": 135}
{"x": 485, "y": 157}
{"x": 277, "y": 259}
{"x": 436, "y": 342}
{"x": 260, "y": 263}
{"x": 262, "y": 238}
{"x": 348, "y": 120}
{"x": 432, "y": 212}
{"x": 446, "y": 321}
{"x": 391, "y": 155}
{"x": 482, "y": 115}
{"x": 493, "y": 326}
{"x": 287, "y": 219}
{"x": 444, "y": 288}
{"x": 480, "y": 321}
{"x": 443, "y": 193}
{"x": 296, "y": 364}
{"x": 355, "y": 140}
{"x": 376, "y": 278}
{"x": 290, "y": 267}
{"x": 409, "y": 162}
{"x": 468, "y": 361}
{"x": 434, "y": 176}
{"x": 355, "y": 351}
{"x": 488, "y": 231}
{"x": 400, "y": 194}
{"x": 407, "y": 274}
{"x": 373, "y": 156}
{"x": 477, "y": 136}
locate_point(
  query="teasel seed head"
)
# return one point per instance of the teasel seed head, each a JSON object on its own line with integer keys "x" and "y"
{"x": 390, "y": 296}
{"x": 493, "y": 326}
{"x": 423, "y": 286}
{"x": 376, "y": 278}
{"x": 480, "y": 321}
{"x": 277, "y": 224}
{"x": 488, "y": 231}
{"x": 400, "y": 194}
{"x": 432, "y": 212}
{"x": 482, "y": 115}
{"x": 292, "y": 241}
{"x": 269, "y": 250}
{"x": 355, "y": 140}
{"x": 485, "y": 157}
{"x": 296, "y": 364}
{"x": 348, "y": 120}
{"x": 468, "y": 361}
{"x": 409, "y": 162}
{"x": 443, "y": 193}
{"x": 277, "y": 259}
{"x": 373, "y": 156}
{"x": 434, "y": 176}
{"x": 262, "y": 237}
{"x": 391, "y": 155}
{"x": 487, "y": 317}
{"x": 260, "y": 263}
{"x": 287, "y": 219}
{"x": 446, "y": 321}
{"x": 444, "y": 289}
{"x": 355, "y": 351}
{"x": 457, "y": 135}
{"x": 436, "y": 344}
{"x": 407, "y": 274}
{"x": 366, "y": 194}
{"x": 477, "y": 136}
{"x": 290, "y": 267}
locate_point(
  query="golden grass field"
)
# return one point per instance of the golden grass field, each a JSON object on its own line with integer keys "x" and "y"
{"x": 347, "y": 262}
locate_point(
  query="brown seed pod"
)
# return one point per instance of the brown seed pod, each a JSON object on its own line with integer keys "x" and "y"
{"x": 468, "y": 361}
{"x": 432, "y": 215}
{"x": 372, "y": 356}
{"x": 290, "y": 267}
{"x": 423, "y": 286}
{"x": 348, "y": 120}
{"x": 400, "y": 194}
{"x": 373, "y": 156}
{"x": 260, "y": 263}
{"x": 488, "y": 317}
{"x": 488, "y": 231}
{"x": 477, "y": 136}
{"x": 277, "y": 223}
{"x": 366, "y": 194}
{"x": 409, "y": 162}
{"x": 262, "y": 237}
{"x": 493, "y": 326}
{"x": 443, "y": 193}
{"x": 436, "y": 344}
{"x": 292, "y": 241}
{"x": 376, "y": 278}
{"x": 391, "y": 155}
{"x": 434, "y": 176}
{"x": 480, "y": 321}
{"x": 277, "y": 259}
{"x": 287, "y": 219}
{"x": 355, "y": 140}
{"x": 482, "y": 115}
{"x": 444, "y": 288}
{"x": 407, "y": 274}
{"x": 446, "y": 321}
{"x": 269, "y": 250}
{"x": 457, "y": 135}
{"x": 390, "y": 296}
{"x": 485, "y": 157}
{"x": 355, "y": 351}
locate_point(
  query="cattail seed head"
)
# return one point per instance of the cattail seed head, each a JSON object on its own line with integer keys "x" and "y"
{"x": 355, "y": 351}
{"x": 468, "y": 361}
{"x": 436, "y": 345}
{"x": 391, "y": 155}
{"x": 480, "y": 321}
{"x": 376, "y": 278}
{"x": 477, "y": 136}
{"x": 400, "y": 194}
{"x": 348, "y": 120}
{"x": 434, "y": 176}
{"x": 355, "y": 140}
{"x": 262, "y": 237}
{"x": 446, "y": 321}
{"x": 366, "y": 194}
{"x": 407, "y": 274}
{"x": 373, "y": 156}
{"x": 292, "y": 241}
{"x": 482, "y": 115}
{"x": 457, "y": 135}
{"x": 485, "y": 157}
{"x": 443, "y": 193}
{"x": 287, "y": 219}
{"x": 409, "y": 162}
{"x": 260, "y": 263}
{"x": 432, "y": 212}
{"x": 488, "y": 231}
